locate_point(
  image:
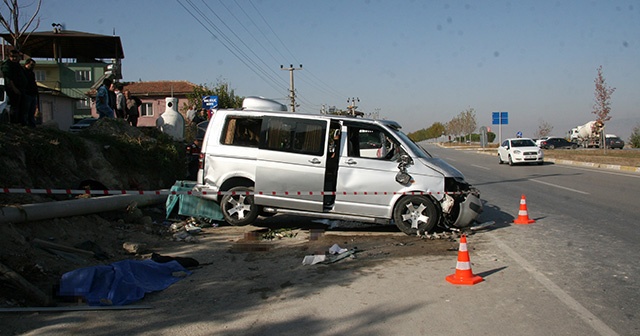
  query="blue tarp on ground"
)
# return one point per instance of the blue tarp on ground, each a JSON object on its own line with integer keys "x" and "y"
{"x": 120, "y": 283}
{"x": 193, "y": 206}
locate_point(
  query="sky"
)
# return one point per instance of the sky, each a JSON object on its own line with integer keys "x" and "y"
{"x": 416, "y": 62}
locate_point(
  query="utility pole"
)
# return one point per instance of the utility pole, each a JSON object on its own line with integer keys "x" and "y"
{"x": 292, "y": 94}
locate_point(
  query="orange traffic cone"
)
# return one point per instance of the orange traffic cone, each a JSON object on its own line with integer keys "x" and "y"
{"x": 463, "y": 274}
{"x": 523, "y": 215}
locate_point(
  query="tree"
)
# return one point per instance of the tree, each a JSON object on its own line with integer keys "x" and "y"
{"x": 454, "y": 126}
{"x": 11, "y": 22}
{"x": 634, "y": 139}
{"x": 434, "y": 131}
{"x": 226, "y": 96}
{"x": 602, "y": 106}
{"x": 544, "y": 129}
{"x": 469, "y": 123}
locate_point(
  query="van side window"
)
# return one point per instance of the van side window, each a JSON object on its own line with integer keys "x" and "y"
{"x": 371, "y": 143}
{"x": 241, "y": 131}
{"x": 295, "y": 135}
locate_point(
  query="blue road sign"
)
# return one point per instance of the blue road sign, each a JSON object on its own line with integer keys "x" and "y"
{"x": 209, "y": 102}
{"x": 500, "y": 118}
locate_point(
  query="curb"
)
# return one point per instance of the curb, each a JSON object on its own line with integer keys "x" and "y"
{"x": 630, "y": 169}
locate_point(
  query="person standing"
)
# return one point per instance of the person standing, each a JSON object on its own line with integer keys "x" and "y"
{"x": 112, "y": 98}
{"x": 32, "y": 98}
{"x": 191, "y": 113}
{"x": 102, "y": 100}
{"x": 16, "y": 83}
{"x": 120, "y": 102}
{"x": 132, "y": 108}
{"x": 200, "y": 116}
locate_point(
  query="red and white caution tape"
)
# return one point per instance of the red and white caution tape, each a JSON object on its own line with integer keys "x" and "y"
{"x": 219, "y": 193}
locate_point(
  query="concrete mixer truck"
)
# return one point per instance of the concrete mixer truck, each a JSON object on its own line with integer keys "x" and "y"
{"x": 587, "y": 135}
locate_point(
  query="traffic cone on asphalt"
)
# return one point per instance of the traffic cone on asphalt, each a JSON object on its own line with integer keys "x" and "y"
{"x": 463, "y": 274}
{"x": 523, "y": 215}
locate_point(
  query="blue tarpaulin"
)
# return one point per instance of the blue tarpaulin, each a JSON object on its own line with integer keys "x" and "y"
{"x": 193, "y": 206}
{"x": 120, "y": 283}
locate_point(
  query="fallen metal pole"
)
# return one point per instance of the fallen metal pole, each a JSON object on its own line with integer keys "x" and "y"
{"x": 77, "y": 207}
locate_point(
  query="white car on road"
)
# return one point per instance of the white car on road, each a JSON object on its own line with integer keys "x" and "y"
{"x": 519, "y": 150}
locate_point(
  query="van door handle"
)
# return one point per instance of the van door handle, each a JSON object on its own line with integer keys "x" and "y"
{"x": 351, "y": 162}
{"x": 315, "y": 161}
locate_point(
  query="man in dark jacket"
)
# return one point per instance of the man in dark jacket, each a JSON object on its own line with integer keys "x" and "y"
{"x": 132, "y": 108}
{"x": 16, "y": 84}
{"x": 31, "y": 94}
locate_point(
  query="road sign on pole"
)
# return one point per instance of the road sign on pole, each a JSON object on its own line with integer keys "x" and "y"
{"x": 209, "y": 102}
{"x": 500, "y": 118}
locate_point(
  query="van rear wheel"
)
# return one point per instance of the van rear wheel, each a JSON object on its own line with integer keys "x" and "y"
{"x": 238, "y": 208}
{"x": 415, "y": 215}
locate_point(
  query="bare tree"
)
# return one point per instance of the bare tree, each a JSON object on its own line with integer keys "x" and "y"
{"x": 469, "y": 123}
{"x": 544, "y": 129}
{"x": 11, "y": 22}
{"x": 602, "y": 106}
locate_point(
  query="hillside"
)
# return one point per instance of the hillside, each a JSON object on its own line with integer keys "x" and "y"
{"x": 110, "y": 153}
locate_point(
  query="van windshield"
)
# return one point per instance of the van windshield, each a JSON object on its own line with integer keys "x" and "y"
{"x": 414, "y": 147}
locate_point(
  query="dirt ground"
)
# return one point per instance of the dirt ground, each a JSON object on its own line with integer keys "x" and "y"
{"x": 25, "y": 247}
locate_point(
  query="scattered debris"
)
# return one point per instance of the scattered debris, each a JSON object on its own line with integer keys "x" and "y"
{"x": 335, "y": 253}
{"x": 279, "y": 234}
{"x": 134, "y": 248}
{"x": 184, "y": 236}
{"x": 313, "y": 259}
{"x": 336, "y": 249}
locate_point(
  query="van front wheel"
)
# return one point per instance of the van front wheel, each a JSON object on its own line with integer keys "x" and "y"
{"x": 239, "y": 208}
{"x": 415, "y": 215}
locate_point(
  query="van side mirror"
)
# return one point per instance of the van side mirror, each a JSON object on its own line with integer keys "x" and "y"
{"x": 403, "y": 177}
{"x": 404, "y": 160}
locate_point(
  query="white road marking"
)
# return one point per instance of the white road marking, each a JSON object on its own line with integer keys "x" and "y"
{"x": 561, "y": 187}
{"x": 481, "y": 167}
{"x": 570, "y": 302}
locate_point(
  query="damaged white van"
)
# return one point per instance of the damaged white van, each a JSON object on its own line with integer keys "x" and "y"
{"x": 263, "y": 160}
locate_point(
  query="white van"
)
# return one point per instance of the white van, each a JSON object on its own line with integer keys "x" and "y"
{"x": 263, "y": 160}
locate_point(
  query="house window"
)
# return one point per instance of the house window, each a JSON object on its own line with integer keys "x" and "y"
{"x": 41, "y": 75}
{"x": 146, "y": 110}
{"x": 83, "y": 104}
{"x": 83, "y": 75}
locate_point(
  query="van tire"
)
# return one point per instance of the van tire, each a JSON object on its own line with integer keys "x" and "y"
{"x": 239, "y": 209}
{"x": 418, "y": 210}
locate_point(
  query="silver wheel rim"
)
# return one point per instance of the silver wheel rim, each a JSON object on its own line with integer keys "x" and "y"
{"x": 238, "y": 207}
{"x": 414, "y": 215}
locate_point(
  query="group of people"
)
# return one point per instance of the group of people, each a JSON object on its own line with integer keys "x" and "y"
{"x": 21, "y": 88}
{"x": 195, "y": 116}
{"x": 113, "y": 102}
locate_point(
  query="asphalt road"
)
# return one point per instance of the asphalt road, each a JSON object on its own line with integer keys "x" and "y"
{"x": 583, "y": 246}
{"x": 572, "y": 272}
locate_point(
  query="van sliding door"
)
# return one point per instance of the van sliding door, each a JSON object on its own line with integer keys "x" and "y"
{"x": 291, "y": 163}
